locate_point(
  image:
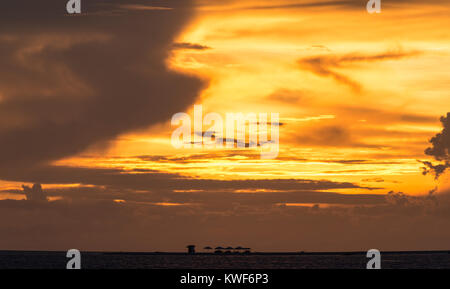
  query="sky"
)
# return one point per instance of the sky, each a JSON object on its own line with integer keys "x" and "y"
{"x": 86, "y": 102}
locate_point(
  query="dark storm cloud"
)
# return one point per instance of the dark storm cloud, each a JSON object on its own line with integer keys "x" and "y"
{"x": 325, "y": 65}
{"x": 439, "y": 150}
{"x": 67, "y": 82}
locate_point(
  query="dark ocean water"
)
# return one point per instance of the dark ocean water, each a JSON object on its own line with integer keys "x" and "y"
{"x": 91, "y": 260}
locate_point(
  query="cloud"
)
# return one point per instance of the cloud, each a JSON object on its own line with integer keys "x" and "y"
{"x": 439, "y": 150}
{"x": 34, "y": 193}
{"x": 143, "y": 7}
{"x": 334, "y": 4}
{"x": 154, "y": 180}
{"x": 401, "y": 199}
{"x": 326, "y": 135}
{"x": 68, "y": 82}
{"x": 187, "y": 45}
{"x": 326, "y": 65}
{"x": 286, "y": 96}
{"x": 305, "y": 4}
{"x": 383, "y": 116}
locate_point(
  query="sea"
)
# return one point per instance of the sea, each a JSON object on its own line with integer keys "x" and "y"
{"x": 114, "y": 260}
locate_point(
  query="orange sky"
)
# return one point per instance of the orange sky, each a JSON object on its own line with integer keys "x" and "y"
{"x": 359, "y": 96}
{"x": 372, "y": 128}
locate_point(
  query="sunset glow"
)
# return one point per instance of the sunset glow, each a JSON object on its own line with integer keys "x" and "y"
{"x": 86, "y": 112}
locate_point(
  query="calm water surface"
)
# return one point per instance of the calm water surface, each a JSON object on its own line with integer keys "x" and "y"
{"x": 90, "y": 260}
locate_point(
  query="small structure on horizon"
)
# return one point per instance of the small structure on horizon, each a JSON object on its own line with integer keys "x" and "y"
{"x": 191, "y": 249}
{"x": 238, "y": 249}
{"x": 231, "y": 250}
{"x": 228, "y": 250}
{"x": 221, "y": 250}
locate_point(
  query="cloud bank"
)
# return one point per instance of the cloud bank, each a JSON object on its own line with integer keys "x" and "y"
{"x": 67, "y": 82}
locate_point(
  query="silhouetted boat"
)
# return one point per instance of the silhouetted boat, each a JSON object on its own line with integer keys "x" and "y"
{"x": 218, "y": 250}
{"x": 228, "y": 250}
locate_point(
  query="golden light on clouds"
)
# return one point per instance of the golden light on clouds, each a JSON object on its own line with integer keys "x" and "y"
{"x": 359, "y": 95}
{"x": 86, "y": 125}
{"x": 330, "y": 129}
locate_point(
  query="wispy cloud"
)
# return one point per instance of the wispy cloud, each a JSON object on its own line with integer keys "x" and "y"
{"x": 187, "y": 45}
{"x": 327, "y": 65}
{"x": 138, "y": 7}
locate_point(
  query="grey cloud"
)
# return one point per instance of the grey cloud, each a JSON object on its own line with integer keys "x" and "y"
{"x": 193, "y": 46}
{"x": 326, "y": 65}
{"x": 439, "y": 150}
{"x": 153, "y": 180}
{"x": 286, "y": 96}
{"x": 339, "y": 4}
{"x": 34, "y": 193}
{"x": 213, "y": 201}
{"x": 306, "y": 4}
{"x": 441, "y": 142}
{"x": 68, "y": 82}
{"x": 399, "y": 198}
{"x": 227, "y": 155}
{"x": 381, "y": 116}
{"x": 217, "y": 198}
{"x": 329, "y": 136}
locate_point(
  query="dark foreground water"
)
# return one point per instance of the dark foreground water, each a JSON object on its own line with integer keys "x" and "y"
{"x": 90, "y": 260}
